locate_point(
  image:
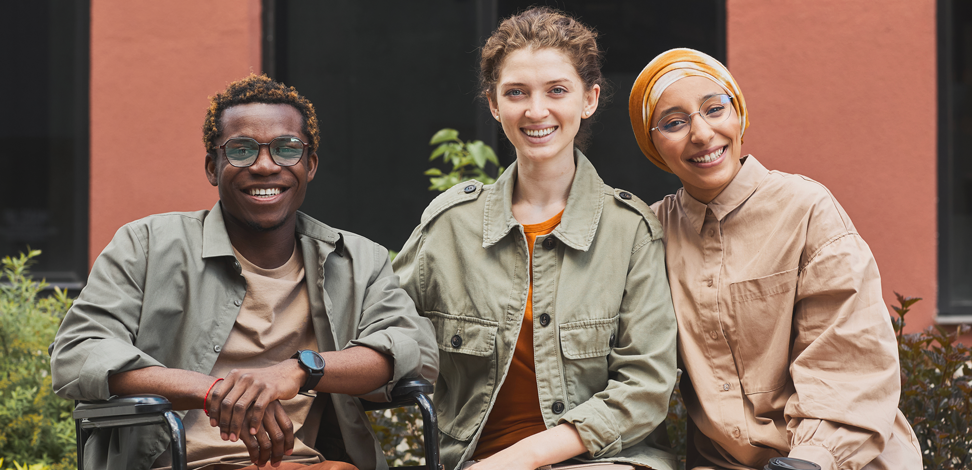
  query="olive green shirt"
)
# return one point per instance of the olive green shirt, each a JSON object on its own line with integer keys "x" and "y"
{"x": 603, "y": 323}
{"x": 167, "y": 290}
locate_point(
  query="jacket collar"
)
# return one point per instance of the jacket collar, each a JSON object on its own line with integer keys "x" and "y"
{"x": 579, "y": 222}
{"x": 216, "y": 240}
{"x": 740, "y": 188}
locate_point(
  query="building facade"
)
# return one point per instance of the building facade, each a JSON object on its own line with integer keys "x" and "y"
{"x": 865, "y": 97}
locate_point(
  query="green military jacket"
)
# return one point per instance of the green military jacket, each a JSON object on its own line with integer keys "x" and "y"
{"x": 604, "y": 351}
{"x": 167, "y": 290}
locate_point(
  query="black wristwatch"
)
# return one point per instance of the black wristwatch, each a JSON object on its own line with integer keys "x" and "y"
{"x": 313, "y": 363}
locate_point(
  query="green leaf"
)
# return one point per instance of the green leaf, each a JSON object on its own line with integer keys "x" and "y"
{"x": 491, "y": 155}
{"x": 444, "y": 135}
{"x": 433, "y": 172}
{"x": 477, "y": 152}
{"x": 442, "y": 148}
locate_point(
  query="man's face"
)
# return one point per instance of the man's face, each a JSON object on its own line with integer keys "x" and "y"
{"x": 263, "y": 196}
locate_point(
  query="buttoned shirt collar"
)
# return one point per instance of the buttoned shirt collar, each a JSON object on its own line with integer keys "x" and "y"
{"x": 738, "y": 191}
{"x": 577, "y": 225}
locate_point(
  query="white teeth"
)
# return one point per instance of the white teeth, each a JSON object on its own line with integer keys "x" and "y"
{"x": 539, "y": 132}
{"x": 710, "y": 157}
{"x": 264, "y": 192}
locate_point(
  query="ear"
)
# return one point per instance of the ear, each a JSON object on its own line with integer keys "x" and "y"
{"x": 311, "y": 166}
{"x": 591, "y": 98}
{"x": 211, "y": 169}
{"x": 493, "y": 108}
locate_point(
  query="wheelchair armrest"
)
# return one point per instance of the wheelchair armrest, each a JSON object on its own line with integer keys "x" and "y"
{"x": 135, "y": 410}
{"x": 405, "y": 393}
{"x": 134, "y": 405}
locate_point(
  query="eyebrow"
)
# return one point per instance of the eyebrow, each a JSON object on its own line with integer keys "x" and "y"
{"x": 679, "y": 108}
{"x": 551, "y": 82}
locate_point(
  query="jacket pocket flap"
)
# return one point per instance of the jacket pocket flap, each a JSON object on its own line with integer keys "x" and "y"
{"x": 464, "y": 335}
{"x": 588, "y": 338}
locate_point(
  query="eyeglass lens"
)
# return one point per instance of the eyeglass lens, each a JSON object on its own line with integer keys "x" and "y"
{"x": 714, "y": 111}
{"x": 243, "y": 151}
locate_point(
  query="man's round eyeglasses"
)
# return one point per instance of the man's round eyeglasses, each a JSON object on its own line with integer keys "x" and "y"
{"x": 243, "y": 151}
{"x": 675, "y": 126}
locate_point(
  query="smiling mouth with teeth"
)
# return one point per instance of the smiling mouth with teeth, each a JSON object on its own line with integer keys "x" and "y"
{"x": 258, "y": 192}
{"x": 539, "y": 132}
{"x": 710, "y": 157}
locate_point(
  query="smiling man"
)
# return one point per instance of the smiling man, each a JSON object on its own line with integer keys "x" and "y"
{"x": 231, "y": 312}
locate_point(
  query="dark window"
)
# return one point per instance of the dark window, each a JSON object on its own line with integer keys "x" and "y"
{"x": 44, "y": 136}
{"x": 385, "y": 79}
{"x": 955, "y": 161}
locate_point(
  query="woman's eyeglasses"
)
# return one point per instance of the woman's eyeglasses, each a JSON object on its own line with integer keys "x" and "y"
{"x": 675, "y": 126}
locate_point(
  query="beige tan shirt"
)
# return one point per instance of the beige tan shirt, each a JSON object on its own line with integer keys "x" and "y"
{"x": 782, "y": 328}
{"x": 274, "y": 322}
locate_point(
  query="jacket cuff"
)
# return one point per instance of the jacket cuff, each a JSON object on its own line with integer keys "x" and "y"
{"x": 816, "y": 454}
{"x": 404, "y": 353}
{"x": 595, "y": 427}
{"x": 109, "y": 357}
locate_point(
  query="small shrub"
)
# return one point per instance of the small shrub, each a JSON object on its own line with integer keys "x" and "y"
{"x": 468, "y": 160}
{"x": 936, "y": 386}
{"x": 677, "y": 421}
{"x": 399, "y": 431}
{"x": 35, "y": 425}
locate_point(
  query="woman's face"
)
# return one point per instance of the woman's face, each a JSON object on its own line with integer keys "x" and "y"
{"x": 707, "y": 159}
{"x": 540, "y": 101}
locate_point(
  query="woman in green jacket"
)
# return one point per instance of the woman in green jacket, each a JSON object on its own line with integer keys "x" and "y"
{"x": 547, "y": 289}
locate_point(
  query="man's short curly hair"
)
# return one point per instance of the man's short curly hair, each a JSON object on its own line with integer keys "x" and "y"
{"x": 258, "y": 89}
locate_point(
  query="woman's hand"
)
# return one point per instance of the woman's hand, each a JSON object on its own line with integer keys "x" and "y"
{"x": 554, "y": 445}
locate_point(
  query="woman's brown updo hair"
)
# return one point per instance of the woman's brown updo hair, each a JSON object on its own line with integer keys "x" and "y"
{"x": 538, "y": 28}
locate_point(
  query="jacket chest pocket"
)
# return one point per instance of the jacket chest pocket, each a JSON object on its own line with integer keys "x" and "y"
{"x": 586, "y": 345}
{"x": 760, "y": 330}
{"x": 467, "y": 371}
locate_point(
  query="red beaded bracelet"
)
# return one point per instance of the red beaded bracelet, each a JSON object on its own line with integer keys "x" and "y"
{"x": 206, "y": 397}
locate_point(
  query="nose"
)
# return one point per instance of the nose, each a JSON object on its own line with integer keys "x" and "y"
{"x": 264, "y": 164}
{"x": 537, "y": 109}
{"x": 700, "y": 132}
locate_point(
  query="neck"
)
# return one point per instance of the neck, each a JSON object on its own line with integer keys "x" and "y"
{"x": 267, "y": 249}
{"x": 541, "y": 188}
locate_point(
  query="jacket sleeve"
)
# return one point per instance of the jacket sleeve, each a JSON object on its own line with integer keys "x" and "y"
{"x": 844, "y": 362}
{"x": 96, "y": 338}
{"x": 389, "y": 324}
{"x": 642, "y": 363}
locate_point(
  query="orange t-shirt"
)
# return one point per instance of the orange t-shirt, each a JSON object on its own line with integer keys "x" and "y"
{"x": 516, "y": 414}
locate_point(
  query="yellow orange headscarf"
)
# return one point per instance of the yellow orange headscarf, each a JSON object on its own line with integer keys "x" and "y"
{"x": 665, "y": 69}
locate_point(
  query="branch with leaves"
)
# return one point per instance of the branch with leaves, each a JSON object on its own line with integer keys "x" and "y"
{"x": 468, "y": 160}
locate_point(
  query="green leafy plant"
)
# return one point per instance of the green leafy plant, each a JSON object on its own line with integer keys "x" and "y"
{"x": 468, "y": 160}
{"x": 936, "y": 390}
{"x": 35, "y": 424}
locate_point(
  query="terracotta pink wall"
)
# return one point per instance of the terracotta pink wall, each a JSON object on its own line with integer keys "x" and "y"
{"x": 845, "y": 93}
{"x": 153, "y": 67}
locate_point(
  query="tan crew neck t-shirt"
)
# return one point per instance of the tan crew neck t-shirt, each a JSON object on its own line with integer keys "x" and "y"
{"x": 274, "y": 322}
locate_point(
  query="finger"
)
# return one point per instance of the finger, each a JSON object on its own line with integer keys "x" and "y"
{"x": 252, "y": 448}
{"x": 240, "y": 410}
{"x": 281, "y": 431}
{"x": 266, "y": 447}
{"x": 256, "y": 412}
{"x": 230, "y": 401}
{"x": 212, "y": 403}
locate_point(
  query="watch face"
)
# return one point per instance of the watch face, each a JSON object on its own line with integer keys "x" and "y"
{"x": 311, "y": 359}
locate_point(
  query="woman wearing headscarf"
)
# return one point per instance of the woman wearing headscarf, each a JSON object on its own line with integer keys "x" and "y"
{"x": 787, "y": 345}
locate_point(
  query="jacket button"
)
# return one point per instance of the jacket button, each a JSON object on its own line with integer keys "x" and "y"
{"x": 456, "y": 341}
{"x": 558, "y": 407}
{"x": 217, "y": 348}
{"x": 611, "y": 341}
{"x": 625, "y": 195}
{"x": 550, "y": 243}
{"x": 544, "y": 319}
{"x": 237, "y": 303}
{"x": 469, "y": 189}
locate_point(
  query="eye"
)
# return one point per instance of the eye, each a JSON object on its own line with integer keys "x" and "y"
{"x": 513, "y": 92}
{"x": 715, "y": 110}
{"x": 558, "y": 90}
